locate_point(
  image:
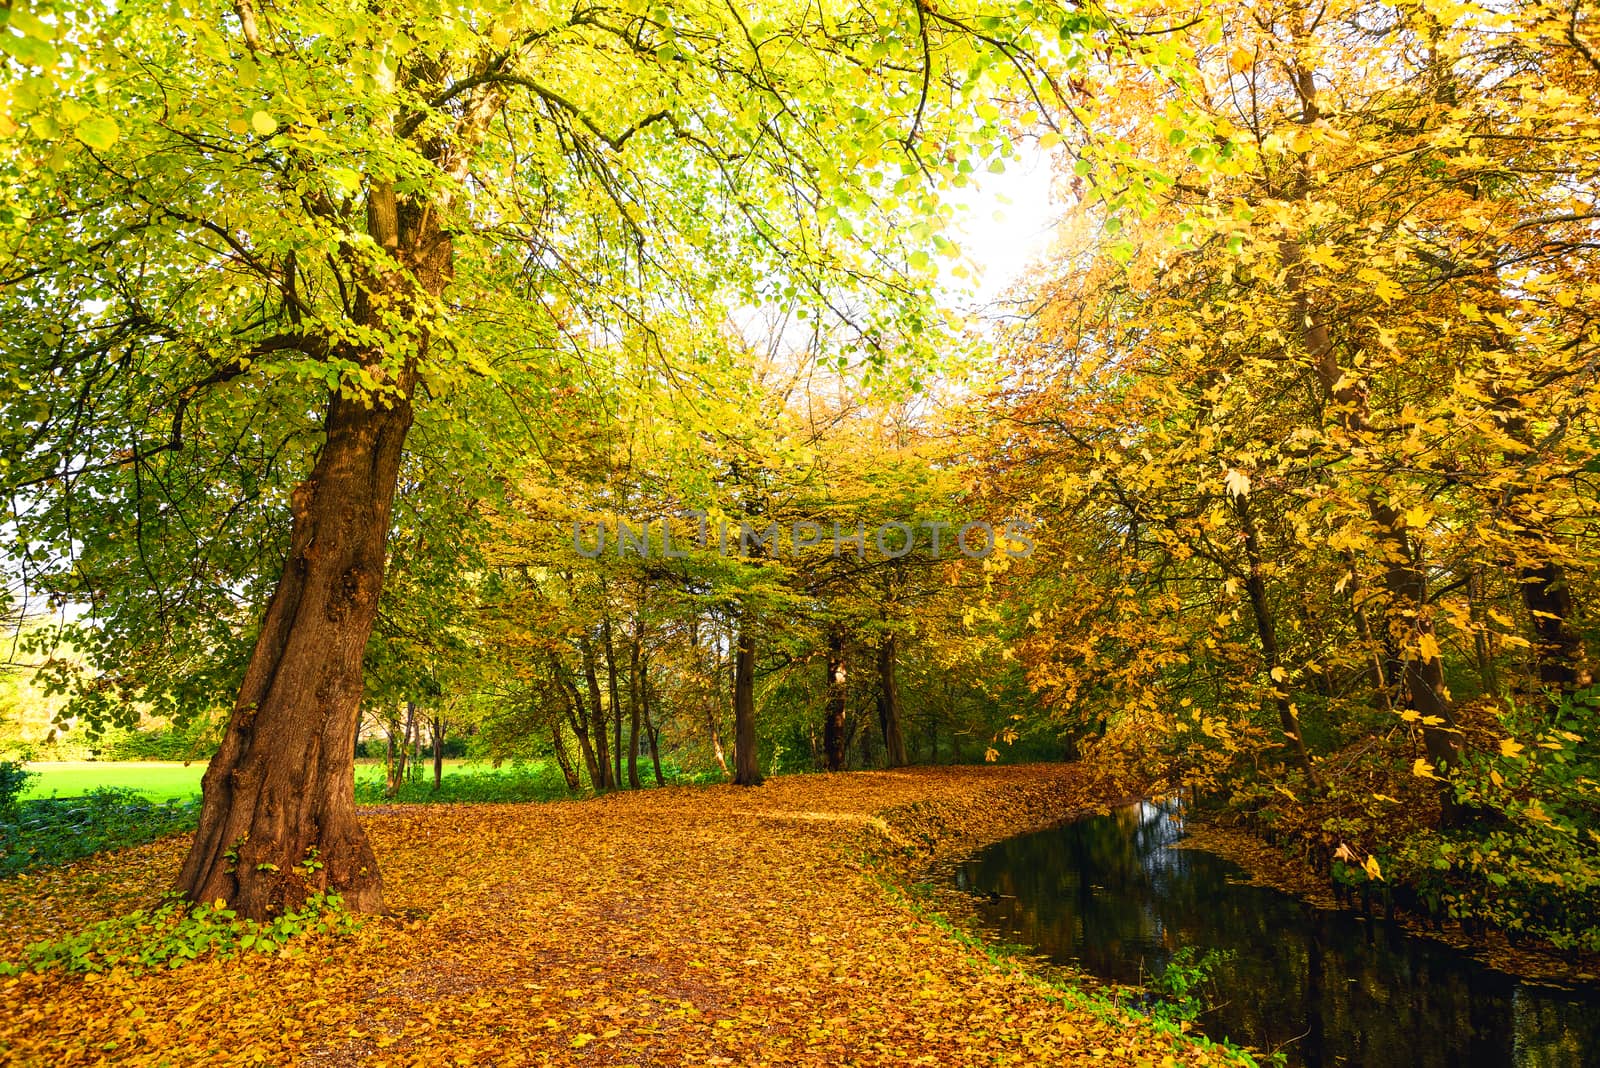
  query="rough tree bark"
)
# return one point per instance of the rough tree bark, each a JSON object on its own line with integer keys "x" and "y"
{"x": 281, "y": 788}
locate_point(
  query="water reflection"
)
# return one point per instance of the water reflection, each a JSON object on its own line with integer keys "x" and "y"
{"x": 1332, "y": 989}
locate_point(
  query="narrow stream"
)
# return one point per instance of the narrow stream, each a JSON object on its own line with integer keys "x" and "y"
{"x": 1111, "y": 895}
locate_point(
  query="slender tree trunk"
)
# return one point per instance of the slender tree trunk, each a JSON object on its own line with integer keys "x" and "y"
{"x": 717, "y": 750}
{"x": 633, "y": 704}
{"x": 894, "y": 743}
{"x": 1376, "y": 677}
{"x": 391, "y": 732}
{"x": 573, "y": 705}
{"x": 438, "y": 753}
{"x": 615, "y": 692}
{"x": 558, "y": 746}
{"x": 1480, "y": 638}
{"x": 1267, "y": 633}
{"x": 651, "y": 730}
{"x": 414, "y": 726}
{"x": 597, "y": 711}
{"x": 747, "y": 768}
{"x": 402, "y": 751}
{"x": 833, "y": 719}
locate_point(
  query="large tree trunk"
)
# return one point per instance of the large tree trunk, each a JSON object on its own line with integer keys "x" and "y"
{"x": 833, "y": 718}
{"x": 1557, "y": 646}
{"x": 894, "y": 743}
{"x": 280, "y": 789}
{"x": 746, "y": 767}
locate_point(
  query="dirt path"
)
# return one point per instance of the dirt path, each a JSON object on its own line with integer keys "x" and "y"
{"x": 680, "y": 926}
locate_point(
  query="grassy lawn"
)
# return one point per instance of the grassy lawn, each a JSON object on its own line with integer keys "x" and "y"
{"x": 159, "y": 780}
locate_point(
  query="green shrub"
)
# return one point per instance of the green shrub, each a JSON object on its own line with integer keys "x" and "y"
{"x": 51, "y": 831}
{"x": 196, "y": 740}
{"x": 173, "y": 934}
{"x": 1533, "y": 868}
{"x": 519, "y": 782}
{"x": 1183, "y": 985}
{"x": 13, "y": 780}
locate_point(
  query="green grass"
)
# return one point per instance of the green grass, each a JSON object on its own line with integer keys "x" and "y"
{"x": 73, "y": 778}
{"x": 162, "y": 781}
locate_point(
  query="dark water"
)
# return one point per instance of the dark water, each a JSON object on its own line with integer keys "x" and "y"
{"x": 1110, "y": 894}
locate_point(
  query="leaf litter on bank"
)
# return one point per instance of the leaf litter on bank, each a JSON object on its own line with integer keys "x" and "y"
{"x": 676, "y": 926}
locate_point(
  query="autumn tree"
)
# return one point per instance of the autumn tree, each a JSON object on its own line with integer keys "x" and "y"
{"x": 258, "y": 247}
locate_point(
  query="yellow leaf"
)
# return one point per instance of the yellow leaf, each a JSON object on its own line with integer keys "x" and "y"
{"x": 263, "y": 123}
{"x": 1371, "y": 867}
{"x": 1422, "y": 769}
{"x": 1240, "y": 61}
{"x": 1238, "y": 483}
{"x": 1510, "y": 748}
{"x": 1428, "y": 647}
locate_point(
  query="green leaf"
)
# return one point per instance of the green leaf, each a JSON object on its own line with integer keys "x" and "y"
{"x": 99, "y": 132}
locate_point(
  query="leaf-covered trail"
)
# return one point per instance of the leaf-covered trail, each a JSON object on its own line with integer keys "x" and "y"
{"x": 683, "y": 926}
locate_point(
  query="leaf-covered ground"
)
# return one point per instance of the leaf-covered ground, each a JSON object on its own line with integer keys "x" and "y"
{"x": 678, "y": 926}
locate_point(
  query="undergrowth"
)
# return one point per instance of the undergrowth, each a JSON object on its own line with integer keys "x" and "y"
{"x": 174, "y": 933}
{"x": 52, "y": 831}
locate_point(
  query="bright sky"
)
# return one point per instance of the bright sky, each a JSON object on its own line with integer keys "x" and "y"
{"x": 1009, "y": 223}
